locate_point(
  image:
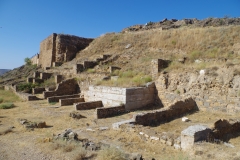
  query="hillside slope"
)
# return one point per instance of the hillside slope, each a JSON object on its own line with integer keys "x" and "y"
{"x": 2, "y": 71}
{"x": 137, "y": 49}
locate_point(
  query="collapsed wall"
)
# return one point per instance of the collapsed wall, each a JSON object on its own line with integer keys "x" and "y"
{"x": 175, "y": 110}
{"x": 66, "y": 87}
{"x": 60, "y": 48}
{"x": 214, "y": 89}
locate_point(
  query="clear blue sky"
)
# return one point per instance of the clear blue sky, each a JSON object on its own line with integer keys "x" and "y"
{"x": 25, "y": 23}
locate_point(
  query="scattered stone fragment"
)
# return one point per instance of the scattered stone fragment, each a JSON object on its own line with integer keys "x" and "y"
{"x": 185, "y": 119}
{"x": 228, "y": 145}
{"x": 141, "y": 133}
{"x": 177, "y": 146}
{"x": 76, "y": 115}
{"x": 103, "y": 128}
{"x": 90, "y": 129}
{"x": 169, "y": 142}
{"x": 154, "y": 138}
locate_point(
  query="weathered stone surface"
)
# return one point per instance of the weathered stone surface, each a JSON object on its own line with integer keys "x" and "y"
{"x": 133, "y": 98}
{"x": 157, "y": 65}
{"x": 193, "y": 134}
{"x": 38, "y": 90}
{"x": 166, "y": 114}
{"x": 60, "y": 48}
{"x": 88, "y": 105}
{"x": 66, "y": 87}
{"x": 70, "y": 101}
{"x": 113, "y": 68}
{"x": 224, "y": 130}
{"x": 118, "y": 124}
{"x": 57, "y": 98}
{"x": 106, "y": 112}
{"x": 45, "y": 76}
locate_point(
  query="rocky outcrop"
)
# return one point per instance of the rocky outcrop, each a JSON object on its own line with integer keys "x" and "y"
{"x": 174, "y": 23}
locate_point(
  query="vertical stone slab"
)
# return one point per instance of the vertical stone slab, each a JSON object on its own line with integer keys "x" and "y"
{"x": 58, "y": 78}
{"x": 156, "y": 66}
{"x": 193, "y": 134}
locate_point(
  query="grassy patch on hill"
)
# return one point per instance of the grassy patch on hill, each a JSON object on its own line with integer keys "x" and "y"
{"x": 8, "y": 97}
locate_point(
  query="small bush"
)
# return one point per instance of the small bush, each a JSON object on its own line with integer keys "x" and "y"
{"x": 26, "y": 87}
{"x": 127, "y": 74}
{"x": 49, "y": 83}
{"x": 53, "y": 103}
{"x": 6, "y": 105}
{"x": 91, "y": 71}
{"x": 195, "y": 55}
{"x": 28, "y": 61}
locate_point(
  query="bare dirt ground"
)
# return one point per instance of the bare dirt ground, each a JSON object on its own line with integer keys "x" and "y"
{"x": 20, "y": 143}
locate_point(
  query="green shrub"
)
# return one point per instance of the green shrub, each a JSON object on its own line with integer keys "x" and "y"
{"x": 28, "y": 61}
{"x": 49, "y": 82}
{"x": 195, "y": 55}
{"x": 147, "y": 79}
{"x": 1, "y": 100}
{"x": 6, "y": 105}
{"x": 91, "y": 71}
{"x": 26, "y": 87}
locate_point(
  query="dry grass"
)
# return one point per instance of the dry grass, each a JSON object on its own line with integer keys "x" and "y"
{"x": 5, "y": 130}
{"x": 193, "y": 43}
{"x": 8, "y": 96}
{"x": 126, "y": 79}
{"x": 110, "y": 154}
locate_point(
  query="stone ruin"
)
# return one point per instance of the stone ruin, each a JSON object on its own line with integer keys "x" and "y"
{"x": 59, "y": 48}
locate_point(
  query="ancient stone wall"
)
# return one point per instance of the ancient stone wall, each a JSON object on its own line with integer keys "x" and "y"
{"x": 24, "y": 96}
{"x": 47, "y": 48}
{"x": 88, "y": 105}
{"x": 133, "y": 98}
{"x": 66, "y": 87}
{"x": 38, "y": 90}
{"x": 225, "y": 130}
{"x": 57, "y": 98}
{"x": 157, "y": 65}
{"x": 109, "y": 111}
{"x": 216, "y": 90}
{"x": 60, "y": 48}
{"x": 70, "y": 101}
{"x": 175, "y": 110}
{"x": 45, "y": 76}
{"x": 35, "y": 59}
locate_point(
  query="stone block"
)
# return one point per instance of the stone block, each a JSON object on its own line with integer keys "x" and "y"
{"x": 30, "y": 80}
{"x": 37, "y": 80}
{"x": 117, "y": 125}
{"x": 57, "y": 98}
{"x": 193, "y": 134}
{"x": 45, "y": 76}
{"x": 70, "y": 101}
{"x": 109, "y": 111}
{"x": 38, "y": 90}
{"x": 88, "y": 105}
{"x": 58, "y": 78}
